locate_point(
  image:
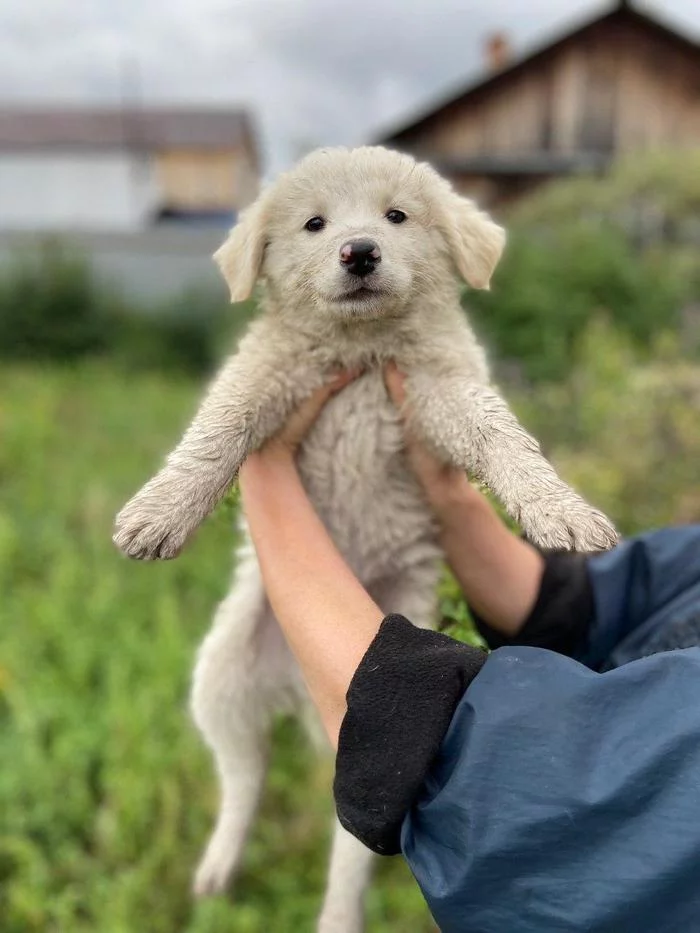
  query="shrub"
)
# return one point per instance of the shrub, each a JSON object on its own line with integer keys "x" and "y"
{"x": 52, "y": 306}
{"x": 624, "y": 429}
{"x": 625, "y": 245}
{"x": 188, "y": 335}
{"x": 552, "y": 283}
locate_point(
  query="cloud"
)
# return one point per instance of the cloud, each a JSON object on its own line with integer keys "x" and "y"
{"x": 313, "y": 71}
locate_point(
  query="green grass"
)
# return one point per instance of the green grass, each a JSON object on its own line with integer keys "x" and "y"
{"x": 106, "y": 794}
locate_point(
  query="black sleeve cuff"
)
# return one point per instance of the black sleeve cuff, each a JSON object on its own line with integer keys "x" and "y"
{"x": 400, "y": 705}
{"x": 563, "y": 612}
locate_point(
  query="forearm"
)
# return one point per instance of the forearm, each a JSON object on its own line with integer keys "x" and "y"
{"x": 499, "y": 573}
{"x": 328, "y": 618}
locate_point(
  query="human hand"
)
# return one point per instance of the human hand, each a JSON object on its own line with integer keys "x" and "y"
{"x": 443, "y": 484}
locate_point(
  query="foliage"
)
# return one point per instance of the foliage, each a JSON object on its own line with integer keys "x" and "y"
{"x": 106, "y": 793}
{"x": 550, "y": 285}
{"x": 624, "y": 245}
{"x": 625, "y": 430}
{"x": 50, "y": 306}
{"x": 53, "y": 307}
{"x": 650, "y": 196}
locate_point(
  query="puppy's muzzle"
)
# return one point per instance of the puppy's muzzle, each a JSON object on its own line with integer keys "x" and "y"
{"x": 360, "y": 257}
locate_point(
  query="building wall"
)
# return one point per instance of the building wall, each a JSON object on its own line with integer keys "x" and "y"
{"x": 75, "y": 190}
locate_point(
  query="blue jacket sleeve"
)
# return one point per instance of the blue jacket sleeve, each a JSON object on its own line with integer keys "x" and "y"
{"x": 564, "y": 799}
{"x": 642, "y": 586}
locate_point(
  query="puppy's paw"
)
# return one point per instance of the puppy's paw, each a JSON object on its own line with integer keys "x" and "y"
{"x": 567, "y": 523}
{"x": 341, "y": 920}
{"x": 146, "y": 529}
{"x": 212, "y": 876}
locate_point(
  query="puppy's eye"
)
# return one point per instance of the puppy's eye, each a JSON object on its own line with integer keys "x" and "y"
{"x": 315, "y": 224}
{"x": 395, "y": 217}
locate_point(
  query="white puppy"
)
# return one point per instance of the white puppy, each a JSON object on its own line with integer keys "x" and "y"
{"x": 358, "y": 252}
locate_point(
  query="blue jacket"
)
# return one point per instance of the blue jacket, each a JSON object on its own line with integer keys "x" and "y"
{"x": 563, "y": 799}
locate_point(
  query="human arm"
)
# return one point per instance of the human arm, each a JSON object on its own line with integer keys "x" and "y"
{"x": 327, "y": 617}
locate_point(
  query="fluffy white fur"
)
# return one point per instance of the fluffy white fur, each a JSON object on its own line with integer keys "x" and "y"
{"x": 352, "y": 463}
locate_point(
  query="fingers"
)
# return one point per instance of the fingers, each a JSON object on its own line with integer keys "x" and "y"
{"x": 394, "y": 382}
{"x": 340, "y": 380}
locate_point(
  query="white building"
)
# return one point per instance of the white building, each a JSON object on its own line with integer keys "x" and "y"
{"x": 112, "y": 170}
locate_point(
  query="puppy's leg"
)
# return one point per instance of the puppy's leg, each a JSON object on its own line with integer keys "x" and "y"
{"x": 349, "y": 875}
{"x": 471, "y": 426}
{"x": 247, "y": 402}
{"x": 232, "y": 702}
{"x": 411, "y": 593}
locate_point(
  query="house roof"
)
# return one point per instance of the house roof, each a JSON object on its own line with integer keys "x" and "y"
{"x": 130, "y": 128}
{"x": 622, "y": 8}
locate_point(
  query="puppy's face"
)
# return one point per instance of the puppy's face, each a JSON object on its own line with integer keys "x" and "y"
{"x": 359, "y": 233}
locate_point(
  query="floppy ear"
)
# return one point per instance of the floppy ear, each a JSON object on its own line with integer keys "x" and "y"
{"x": 240, "y": 257}
{"x": 476, "y": 242}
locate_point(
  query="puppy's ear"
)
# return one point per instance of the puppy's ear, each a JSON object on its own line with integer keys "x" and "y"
{"x": 240, "y": 257}
{"x": 475, "y": 241}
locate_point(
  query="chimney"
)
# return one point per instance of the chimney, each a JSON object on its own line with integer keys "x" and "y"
{"x": 497, "y": 51}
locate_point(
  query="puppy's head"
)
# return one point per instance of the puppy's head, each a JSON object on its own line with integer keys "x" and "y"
{"x": 358, "y": 233}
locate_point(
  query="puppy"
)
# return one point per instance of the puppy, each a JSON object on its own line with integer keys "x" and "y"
{"x": 359, "y": 252}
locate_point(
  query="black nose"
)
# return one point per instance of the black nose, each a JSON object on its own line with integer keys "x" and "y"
{"x": 360, "y": 257}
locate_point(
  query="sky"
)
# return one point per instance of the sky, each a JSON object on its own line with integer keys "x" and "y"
{"x": 312, "y": 72}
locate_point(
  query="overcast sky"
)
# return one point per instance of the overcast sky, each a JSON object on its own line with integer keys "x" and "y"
{"x": 311, "y": 71}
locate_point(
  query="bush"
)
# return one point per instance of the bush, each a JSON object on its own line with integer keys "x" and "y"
{"x": 624, "y": 429}
{"x": 52, "y": 306}
{"x": 624, "y": 245}
{"x": 188, "y": 335}
{"x": 552, "y": 283}
{"x": 653, "y": 198}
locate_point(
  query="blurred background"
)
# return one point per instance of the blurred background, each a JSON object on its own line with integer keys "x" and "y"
{"x": 131, "y": 135}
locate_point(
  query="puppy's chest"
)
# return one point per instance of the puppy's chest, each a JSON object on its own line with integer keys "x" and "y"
{"x": 355, "y": 470}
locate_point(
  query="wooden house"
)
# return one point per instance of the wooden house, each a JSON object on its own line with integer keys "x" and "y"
{"x": 618, "y": 83}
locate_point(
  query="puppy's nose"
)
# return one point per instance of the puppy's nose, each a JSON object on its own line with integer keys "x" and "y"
{"x": 360, "y": 257}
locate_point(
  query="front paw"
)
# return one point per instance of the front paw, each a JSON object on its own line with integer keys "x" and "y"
{"x": 567, "y": 524}
{"x": 148, "y": 529}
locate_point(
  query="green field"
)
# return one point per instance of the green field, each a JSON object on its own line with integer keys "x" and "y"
{"x": 106, "y": 795}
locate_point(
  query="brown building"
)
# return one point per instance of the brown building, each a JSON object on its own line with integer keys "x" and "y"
{"x": 619, "y": 83}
